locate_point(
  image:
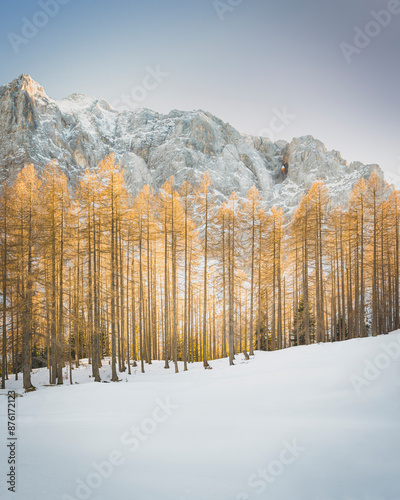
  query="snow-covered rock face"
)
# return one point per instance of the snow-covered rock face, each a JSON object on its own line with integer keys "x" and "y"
{"x": 80, "y": 130}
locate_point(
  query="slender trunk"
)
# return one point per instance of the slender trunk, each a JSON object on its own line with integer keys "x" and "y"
{"x": 114, "y": 376}
{"x": 205, "y": 362}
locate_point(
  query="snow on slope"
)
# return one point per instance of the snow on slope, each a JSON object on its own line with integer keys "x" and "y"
{"x": 320, "y": 422}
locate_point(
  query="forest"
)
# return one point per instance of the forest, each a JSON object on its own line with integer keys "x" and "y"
{"x": 90, "y": 271}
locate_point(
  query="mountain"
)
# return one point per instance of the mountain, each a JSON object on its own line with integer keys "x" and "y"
{"x": 79, "y": 131}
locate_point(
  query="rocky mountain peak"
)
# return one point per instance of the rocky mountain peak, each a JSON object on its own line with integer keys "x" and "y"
{"x": 26, "y": 83}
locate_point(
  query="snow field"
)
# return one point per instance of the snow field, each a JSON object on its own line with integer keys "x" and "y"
{"x": 318, "y": 422}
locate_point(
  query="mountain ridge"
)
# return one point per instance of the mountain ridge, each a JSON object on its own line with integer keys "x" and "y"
{"x": 79, "y": 130}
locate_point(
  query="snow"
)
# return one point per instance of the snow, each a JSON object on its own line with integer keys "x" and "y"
{"x": 320, "y": 422}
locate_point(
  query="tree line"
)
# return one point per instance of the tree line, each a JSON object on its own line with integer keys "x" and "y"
{"x": 91, "y": 271}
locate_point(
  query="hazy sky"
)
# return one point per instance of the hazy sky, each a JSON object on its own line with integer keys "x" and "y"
{"x": 245, "y": 61}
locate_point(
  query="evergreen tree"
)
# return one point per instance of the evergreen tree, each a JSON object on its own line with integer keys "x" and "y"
{"x": 299, "y": 327}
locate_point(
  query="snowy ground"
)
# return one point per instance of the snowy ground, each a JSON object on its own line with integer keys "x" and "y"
{"x": 309, "y": 423}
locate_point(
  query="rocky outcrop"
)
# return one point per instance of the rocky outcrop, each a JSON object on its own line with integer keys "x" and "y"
{"x": 80, "y": 130}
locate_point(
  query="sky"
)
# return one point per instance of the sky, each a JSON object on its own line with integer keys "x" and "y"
{"x": 282, "y": 68}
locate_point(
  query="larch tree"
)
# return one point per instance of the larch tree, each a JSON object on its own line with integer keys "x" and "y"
{"x": 55, "y": 205}
{"x": 206, "y": 209}
{"x": 26, "y": 194}
{"x": 250, "y": 212}
{"x": 113, "y": 198}
{"x": 376, "y": 188}
{"x": 89, "y": 194}
{"x": 6, "y": 262}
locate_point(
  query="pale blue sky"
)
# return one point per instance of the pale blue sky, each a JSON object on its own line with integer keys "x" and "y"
{"x": 263, "y": 57}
